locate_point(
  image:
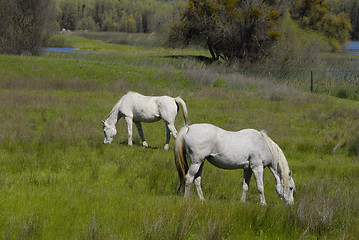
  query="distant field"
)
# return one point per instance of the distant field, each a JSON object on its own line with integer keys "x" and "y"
{"x": 58, "y": 181}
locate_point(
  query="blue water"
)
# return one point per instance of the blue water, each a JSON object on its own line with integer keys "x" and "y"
{"x": 63, "y": 50}
{"x": 353, "y": 48}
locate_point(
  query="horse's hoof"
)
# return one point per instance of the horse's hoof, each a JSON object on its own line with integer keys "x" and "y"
{"x": 144, "y": 144}
{"x": 166, "y": 147}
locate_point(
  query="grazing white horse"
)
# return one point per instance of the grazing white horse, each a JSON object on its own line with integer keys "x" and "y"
{"x": 137, "y": 108}
{"x": 247, "y": 149}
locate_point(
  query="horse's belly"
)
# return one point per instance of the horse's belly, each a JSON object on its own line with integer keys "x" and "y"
{"x": 227, "y": 163}
{"x": 145, "y": 117}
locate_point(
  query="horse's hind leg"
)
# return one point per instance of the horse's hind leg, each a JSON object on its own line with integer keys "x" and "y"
{"x": 194, "y": 174}
{"x": 140, "y": 132}
{"x": 258, "y": 176}
{"x": 168, "y": 137}
{"x": 129, "y": 129}
{"x": 197, "y": 182}
{"x": 247, "y": 174}
{"x": 172, "y": 128}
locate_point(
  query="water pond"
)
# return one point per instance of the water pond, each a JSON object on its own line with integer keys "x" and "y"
{"x": 63, "y": 50}
{"x": 353, "y": 48}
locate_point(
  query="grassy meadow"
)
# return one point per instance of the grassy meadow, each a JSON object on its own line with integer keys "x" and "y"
{"x": 58, "y": 181}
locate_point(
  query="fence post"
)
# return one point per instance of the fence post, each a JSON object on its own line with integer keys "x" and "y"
{"x": 311, "y": 81}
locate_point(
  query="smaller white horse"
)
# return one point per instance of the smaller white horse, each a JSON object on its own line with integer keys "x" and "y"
{"x": 247, "y": 149}
{"x": 137, "y": 108}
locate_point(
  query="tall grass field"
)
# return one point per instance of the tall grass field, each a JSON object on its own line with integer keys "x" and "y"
{"x": 58, "y": 180}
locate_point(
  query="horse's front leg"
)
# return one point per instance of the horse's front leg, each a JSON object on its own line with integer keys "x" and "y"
{"x": 140, "y": 132}
{"x": 247, "y": 174}
{"x": 129, "y": 129}
{"x": 258, "y": 176}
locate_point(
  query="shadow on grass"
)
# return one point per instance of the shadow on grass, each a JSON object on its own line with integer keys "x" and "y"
{"x": 138, "y": 144}
{"x": 205, "y": 60}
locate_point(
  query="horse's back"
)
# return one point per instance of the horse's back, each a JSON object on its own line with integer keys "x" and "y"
{"x": 139, "y": 107}
{"x": 227, "y": 149}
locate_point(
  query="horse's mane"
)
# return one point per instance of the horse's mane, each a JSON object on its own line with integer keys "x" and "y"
{"x": 117, "y": 105}
{"x": 282, "y": 161}
{"x": 115, "y": 108}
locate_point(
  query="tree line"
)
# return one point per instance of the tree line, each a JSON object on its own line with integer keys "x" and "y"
{"x": 116, "y": 15}
{"x": 230, "y": 29}
{"x": 239, "y": 29}
{"x": 156, "y": 15}
{"x": 351, "y": 7}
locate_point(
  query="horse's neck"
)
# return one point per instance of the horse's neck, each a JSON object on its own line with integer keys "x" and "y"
{"x": 113, "y": 117}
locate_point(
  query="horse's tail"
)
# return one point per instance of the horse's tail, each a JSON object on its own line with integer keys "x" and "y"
{"x": 180, "y": 156}
{"x": 282, "y": 161}
{"x": 183, "y": 105}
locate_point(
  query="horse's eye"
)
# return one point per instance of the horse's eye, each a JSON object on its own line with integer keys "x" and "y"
{"x": 291, "y": 188}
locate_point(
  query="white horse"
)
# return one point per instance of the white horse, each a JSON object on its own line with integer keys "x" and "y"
{"x": 137, "y": 108}
{"x": 247, "y": 149}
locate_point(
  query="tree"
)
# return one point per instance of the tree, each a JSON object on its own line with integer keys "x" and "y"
{"x": 351, "y": 8}
{"x": 115, "y": 15}
{"x": 316, "y": 15}
{"x": 247, "y": 30}
{"x": 68, "y": 14}
{"x": 230, "y": 29}
{"x": 111, "y": 20}
{"x": 24, "y": 25}
{"x": 87, "y": 23}
{"x": 131, "y": 24}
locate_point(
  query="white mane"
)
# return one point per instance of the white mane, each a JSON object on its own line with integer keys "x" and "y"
{"x": 282, "y": 161}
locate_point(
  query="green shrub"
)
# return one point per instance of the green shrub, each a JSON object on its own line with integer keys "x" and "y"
{"x": 342, "y": 93}
{"x": 353, "y": 146}
{"x": 297, "y": 47}
{"x": 58, "y": 40}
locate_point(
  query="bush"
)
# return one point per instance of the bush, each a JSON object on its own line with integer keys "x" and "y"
{"x": 353, "y": 146}
{"x": 297, "y": 47}
{"x": 342, "y": 93}
{"x": 24, "y": 25}
{"x": 58, "y": 40}
{"x": 87, "y": 23}
{"x": 317, "y": 15}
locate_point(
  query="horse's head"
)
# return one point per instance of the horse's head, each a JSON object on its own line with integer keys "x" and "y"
{"x": 286, "y": 190}
{"x": 109, "y": 131}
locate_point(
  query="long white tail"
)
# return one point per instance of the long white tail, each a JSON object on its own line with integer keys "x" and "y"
{"x": 183, "y": 105}
{"x": 180, "y": 156}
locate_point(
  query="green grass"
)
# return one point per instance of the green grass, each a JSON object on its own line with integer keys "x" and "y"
{"x": 58, "y": 181}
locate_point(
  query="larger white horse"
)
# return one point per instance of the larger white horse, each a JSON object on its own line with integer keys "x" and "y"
{"x": 137, "y": 108}
{"x": 247, "y": 149}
